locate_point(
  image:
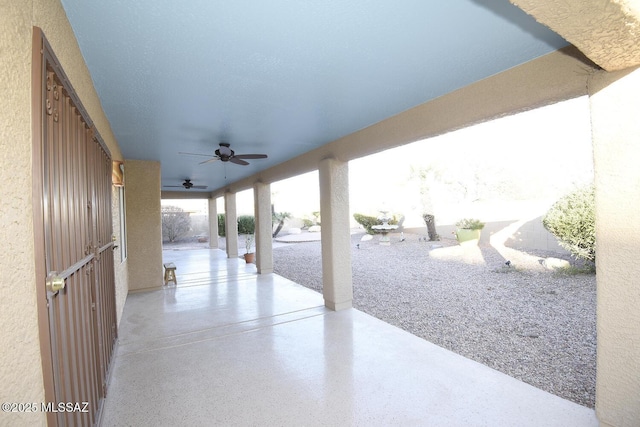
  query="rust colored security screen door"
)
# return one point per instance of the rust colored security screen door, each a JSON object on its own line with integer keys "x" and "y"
{"x": 74, "y": 174}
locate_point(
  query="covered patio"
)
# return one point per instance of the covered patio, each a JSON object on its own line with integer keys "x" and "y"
{"x": 228, "y": 346}
{"x": 157, "y": 98}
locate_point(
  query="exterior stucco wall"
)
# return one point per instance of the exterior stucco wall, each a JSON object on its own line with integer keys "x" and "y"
{"x": 144, "y": 224}
{"x": 615, "y": 106}
{"x": 606, "y": 31}
{"x": 20, "y": 361}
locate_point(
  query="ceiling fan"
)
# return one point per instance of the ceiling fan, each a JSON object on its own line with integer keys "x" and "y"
{"x": 187, "y": 184}
{"x": 226, "y": 154}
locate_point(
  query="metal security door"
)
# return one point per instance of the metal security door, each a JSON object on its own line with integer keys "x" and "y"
{"x": 78, "y": 256}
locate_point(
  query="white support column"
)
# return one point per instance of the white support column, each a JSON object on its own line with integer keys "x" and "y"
{"x": 213, "y": 224}
{"x": 231, "y": 224}
{"x": 337, "y": 285}
{"x": 615, "y": 108}
{"x": 264, "y": 227}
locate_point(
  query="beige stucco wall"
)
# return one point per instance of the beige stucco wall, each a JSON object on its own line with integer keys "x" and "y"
{"x": 20, "y": 362}
{"x": 605, "y": 31}
{"x": 144, "y": 224}
{"x": 615, "y": 108}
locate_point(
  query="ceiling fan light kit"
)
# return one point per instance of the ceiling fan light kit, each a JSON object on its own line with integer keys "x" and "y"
{"x": 224, "y": 150}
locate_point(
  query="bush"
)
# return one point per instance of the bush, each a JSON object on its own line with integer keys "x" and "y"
{"x": 572, "y": 220}
{"x": 470, "y": 224}
{"x": 221, "y": 225}
{"x": 367, "y": 221}
{"x": 246, "y": 224}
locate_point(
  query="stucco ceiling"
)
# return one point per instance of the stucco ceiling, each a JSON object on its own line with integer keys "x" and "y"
{"x": 282, "y": 77}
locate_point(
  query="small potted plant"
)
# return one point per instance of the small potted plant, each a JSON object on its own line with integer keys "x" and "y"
{"x": 468, "y": 231}
{"x": 249, "y": 256}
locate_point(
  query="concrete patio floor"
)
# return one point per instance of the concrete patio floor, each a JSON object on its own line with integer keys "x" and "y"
{"x": 227, "y": 346}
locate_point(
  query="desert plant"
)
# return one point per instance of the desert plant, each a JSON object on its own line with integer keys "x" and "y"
{"x": 248, "y": 242}
{"x": 572, "y": 221}
{"x": 316, "y": 217}
{"x": 246, "y": 224}
{"x": 470, "y": 224}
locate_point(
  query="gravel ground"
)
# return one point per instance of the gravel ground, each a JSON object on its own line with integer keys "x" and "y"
{"x": 533, "y": 324}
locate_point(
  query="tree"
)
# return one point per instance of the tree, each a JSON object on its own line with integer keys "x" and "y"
{"x": 175, "y": 223}
{"x": 279, "y": 218}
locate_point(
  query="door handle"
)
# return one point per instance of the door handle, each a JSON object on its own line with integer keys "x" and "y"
{"x": 55, "y": 282}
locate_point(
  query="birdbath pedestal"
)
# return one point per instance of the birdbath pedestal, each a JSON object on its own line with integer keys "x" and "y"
{"x": 384, "y": 229}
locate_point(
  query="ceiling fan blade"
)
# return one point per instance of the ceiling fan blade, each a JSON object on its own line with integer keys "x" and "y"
{"x": 238, "y": 161}
{"x": 172, "y": 186}
{"x": 209, "y": 161}
{"x": 199, "y": 187}
{"x": 250, "y": 156}
{"x": 196, "y": 154}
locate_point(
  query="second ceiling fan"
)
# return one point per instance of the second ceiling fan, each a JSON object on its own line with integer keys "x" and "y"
{"x": 226, "y": 154}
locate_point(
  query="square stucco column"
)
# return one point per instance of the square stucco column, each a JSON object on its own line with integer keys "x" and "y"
{"x": 264, "y": 226}
{"x": 144, "y": 224}
{"x": 213, "y": 224}
{"x": 337, "y": 285}
{"x": 615, "y": 109}
{"x": 231, "y": 224}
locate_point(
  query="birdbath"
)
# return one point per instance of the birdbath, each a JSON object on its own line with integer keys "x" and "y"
{"x": 384, "y": 228}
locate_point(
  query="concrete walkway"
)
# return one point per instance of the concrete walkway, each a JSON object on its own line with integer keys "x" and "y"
{"x": 229, "y": 347}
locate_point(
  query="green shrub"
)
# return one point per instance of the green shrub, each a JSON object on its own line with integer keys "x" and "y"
{"x": 470, "y": 224}
{"x": 572, "y": 220}
{"x": 246, "y": 224}
{"x": 221, "y": 225}
{"x": 367, "y": 221}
